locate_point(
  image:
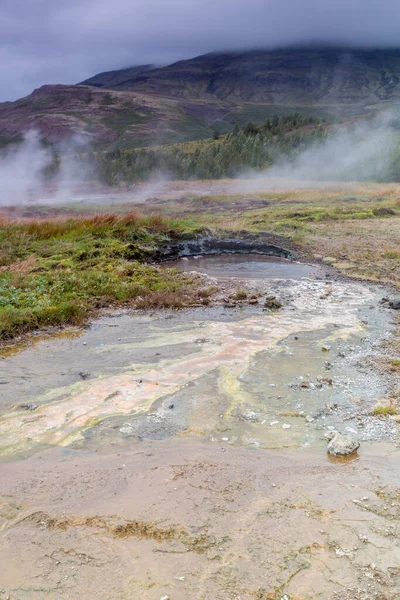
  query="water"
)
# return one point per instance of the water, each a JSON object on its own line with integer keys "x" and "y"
{"x": 132, "y": 377}
{"x": 246, "y": 266}
{"x": 183, "y": 454}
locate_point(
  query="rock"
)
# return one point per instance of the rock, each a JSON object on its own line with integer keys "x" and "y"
{"x": 395, "y": 304}
{"x": 272, "y": 303}
{"x": 343, "y": 445}
{"x": 84, "y": 374}
{"x": 249, "y": 415}
{"x": 325, "y": 348}
{"x": 30, "y": 406}
{"x": 127, "y": 430}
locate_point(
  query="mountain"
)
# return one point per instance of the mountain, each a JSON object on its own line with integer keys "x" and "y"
{"x": 190, "y": 99}
{"x": 112, "y": 79}
{"x": 327, "y": 76}
{"x": 106, "y": 118}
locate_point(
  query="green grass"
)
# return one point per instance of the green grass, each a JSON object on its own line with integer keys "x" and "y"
{"x": 384, "y": 411}
{"x": 54, "y": 273}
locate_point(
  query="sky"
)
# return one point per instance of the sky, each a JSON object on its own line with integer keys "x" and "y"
{"x": 66, "y": 41}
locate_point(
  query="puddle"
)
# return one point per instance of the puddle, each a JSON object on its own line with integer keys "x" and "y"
{"x": 246, "y": 266}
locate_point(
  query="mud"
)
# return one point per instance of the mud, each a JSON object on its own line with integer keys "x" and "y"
{"x": 183, "y": 455}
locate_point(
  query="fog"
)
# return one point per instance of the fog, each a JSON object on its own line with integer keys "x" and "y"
{"x": 363, "y": 151}
{"x": 65, "y": 42}
{"x": 26, "y": 168}
{"x": 32, "y": 173}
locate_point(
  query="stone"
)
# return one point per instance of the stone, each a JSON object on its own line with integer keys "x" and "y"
{"x": 395, "y": 304}
{"x": 127, "y": 430}
{"x": 272, "y": 303}
{"x": 343, "y": 445}
{"x": 249, "y": 415}
{"x": 30, "y": 406}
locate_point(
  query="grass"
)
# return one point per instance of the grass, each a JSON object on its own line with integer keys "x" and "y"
{"x": 395, "y": 364}
{"x": 358, "y": 225}
{"x": 384, "y": 411}
{"x": 54, "y": 273}
{"x": 58, "y": 271}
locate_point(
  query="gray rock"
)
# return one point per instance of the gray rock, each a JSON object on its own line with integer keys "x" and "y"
{"x": 343, "y": 445}
{"x": 395, "y": 304}
{"x": 30, "y": 406}
{"x": 249, "y": 415}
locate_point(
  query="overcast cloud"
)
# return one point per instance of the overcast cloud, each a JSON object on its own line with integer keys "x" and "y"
{"x": 66, "y": 41}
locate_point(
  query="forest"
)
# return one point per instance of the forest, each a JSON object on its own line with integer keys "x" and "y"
{"x": 251, "y": 147}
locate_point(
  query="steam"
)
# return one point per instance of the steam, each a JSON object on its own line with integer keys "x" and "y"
{"x": 27, "y": 168}
{"x": 365, "y": 151}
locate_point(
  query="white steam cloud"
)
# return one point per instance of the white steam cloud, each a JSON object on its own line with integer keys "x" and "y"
{"x": 363, "y": 151}
{"x": 28, "y": 167}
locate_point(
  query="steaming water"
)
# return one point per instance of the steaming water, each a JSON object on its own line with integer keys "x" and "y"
{"x": 229, "y": 376}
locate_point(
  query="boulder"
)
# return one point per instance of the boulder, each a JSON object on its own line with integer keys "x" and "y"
{"x": 395, "y": 304}
{"x": 343, "y": 445}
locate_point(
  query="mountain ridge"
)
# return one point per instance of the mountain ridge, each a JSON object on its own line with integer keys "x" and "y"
{"x": 298, "y": 74}
{"x": 192, "y": 98}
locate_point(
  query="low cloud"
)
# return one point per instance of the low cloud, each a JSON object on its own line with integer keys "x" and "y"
{"x": 54, "y": 42}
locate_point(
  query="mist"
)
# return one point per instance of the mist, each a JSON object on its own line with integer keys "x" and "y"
{"x": 366, "y": 151}
{"x": 29, "y": 167}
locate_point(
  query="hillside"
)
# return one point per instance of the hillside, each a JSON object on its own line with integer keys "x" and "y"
{"x": 290, "y": 76}
{"x": 191, "y": 99}
{"x": 106, "y": 117}
{"x": 110, "y": 79}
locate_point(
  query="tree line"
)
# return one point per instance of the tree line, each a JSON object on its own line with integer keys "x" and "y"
{"x": 251, "y": 147}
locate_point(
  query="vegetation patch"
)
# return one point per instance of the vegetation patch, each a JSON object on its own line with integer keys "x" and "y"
{"x": 54, "y": 273}
{"x": 384, "y": 411}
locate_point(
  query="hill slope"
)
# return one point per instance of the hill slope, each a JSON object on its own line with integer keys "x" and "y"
{"x": 290, "y": 76}
{"x": 106, "y": 117}
{"x": 110, "y": 79}
{"x": 190, "y": 99}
